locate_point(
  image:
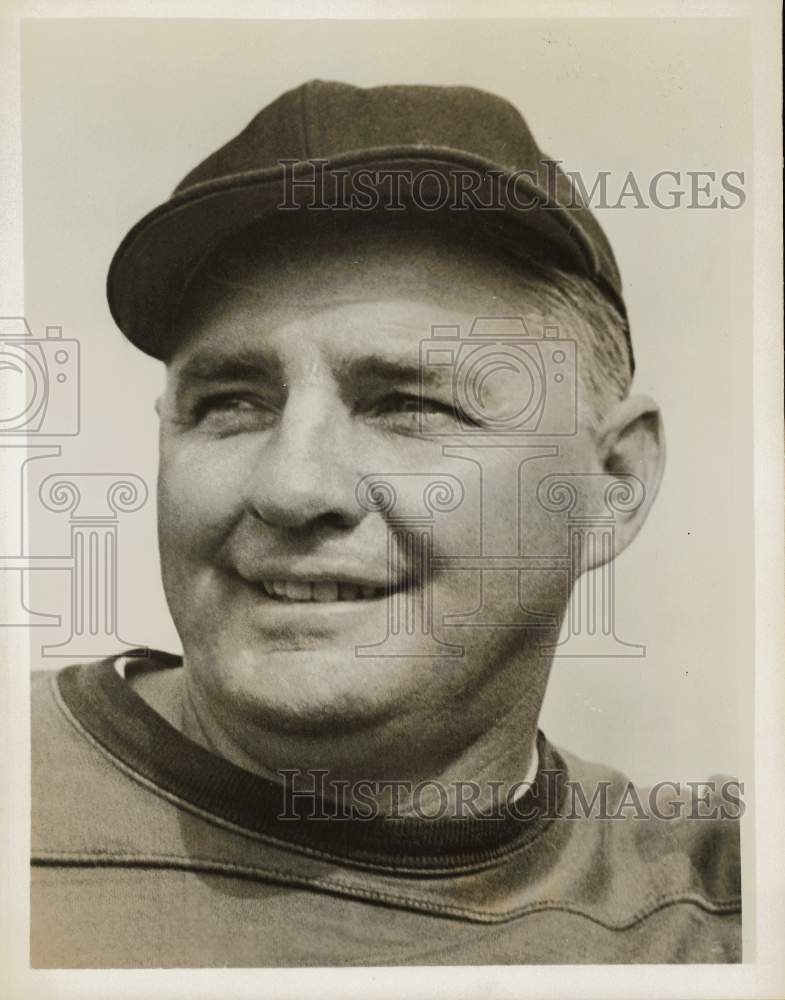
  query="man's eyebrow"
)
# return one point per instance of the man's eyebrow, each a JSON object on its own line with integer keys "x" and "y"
{"x": 211, "y": 365}
{"x": 370, "y": 370}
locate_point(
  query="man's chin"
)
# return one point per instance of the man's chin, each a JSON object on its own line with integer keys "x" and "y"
{"x": 309, "y": 689}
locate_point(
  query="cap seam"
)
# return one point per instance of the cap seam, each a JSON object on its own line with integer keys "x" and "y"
{"x": 304, "y": 123}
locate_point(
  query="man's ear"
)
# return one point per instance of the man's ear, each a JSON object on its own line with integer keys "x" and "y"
{"x": 631, "y": 442}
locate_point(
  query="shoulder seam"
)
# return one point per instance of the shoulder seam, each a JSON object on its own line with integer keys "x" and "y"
{"x": 216, "y": 866}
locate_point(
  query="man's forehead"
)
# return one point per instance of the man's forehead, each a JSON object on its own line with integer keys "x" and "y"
{"x": 352, "y": 347}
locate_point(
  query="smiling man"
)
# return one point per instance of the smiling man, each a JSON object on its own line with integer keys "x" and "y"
{"x": 397, "y": 401}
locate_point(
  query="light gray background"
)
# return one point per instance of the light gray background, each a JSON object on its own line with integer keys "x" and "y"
{"x": 116, "y": 112}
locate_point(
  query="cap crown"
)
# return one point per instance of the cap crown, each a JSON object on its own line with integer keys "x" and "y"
{"x": 325, "y": 119}
{"x": 433, "y": 127}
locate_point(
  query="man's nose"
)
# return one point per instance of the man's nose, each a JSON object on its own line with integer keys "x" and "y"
{"x": 307, "y": 469}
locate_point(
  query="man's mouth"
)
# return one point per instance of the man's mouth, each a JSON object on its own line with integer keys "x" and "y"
{"x": 320, "y": 591}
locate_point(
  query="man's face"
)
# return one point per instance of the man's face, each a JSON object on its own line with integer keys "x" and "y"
{"x": 295, "y": 380}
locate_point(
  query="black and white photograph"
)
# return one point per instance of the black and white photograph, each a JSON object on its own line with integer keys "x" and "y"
{"x": 391, "y": 440}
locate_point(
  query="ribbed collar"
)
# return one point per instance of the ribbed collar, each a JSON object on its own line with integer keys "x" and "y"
{"x": 132, "y": 732}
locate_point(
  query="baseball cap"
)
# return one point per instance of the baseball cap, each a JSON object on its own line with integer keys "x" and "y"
{"x": 327, "y": 146}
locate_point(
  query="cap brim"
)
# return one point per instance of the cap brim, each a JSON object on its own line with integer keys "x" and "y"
{"x": 152, "y": 266}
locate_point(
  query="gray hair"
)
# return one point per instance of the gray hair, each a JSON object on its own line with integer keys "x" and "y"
{"x": 581, "y": 310}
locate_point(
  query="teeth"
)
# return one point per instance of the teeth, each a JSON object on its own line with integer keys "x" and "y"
{"x": 297, "y": 591}
{"x": 324, "y": 591}
{"x": 319, "y": 591}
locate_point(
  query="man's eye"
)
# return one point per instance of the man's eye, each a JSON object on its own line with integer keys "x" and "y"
{"x": 411, "y": 413}
{"x": 230, "y": 413}
{"x": 406, "y": 403}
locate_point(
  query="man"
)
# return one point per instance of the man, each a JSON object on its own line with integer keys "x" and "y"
{"x": 397, "y": 408}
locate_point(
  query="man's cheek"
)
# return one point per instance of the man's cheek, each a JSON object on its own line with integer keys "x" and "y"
{"x": 200, "y": 493}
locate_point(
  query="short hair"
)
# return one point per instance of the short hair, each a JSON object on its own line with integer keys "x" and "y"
{"x": 580, "y": 309}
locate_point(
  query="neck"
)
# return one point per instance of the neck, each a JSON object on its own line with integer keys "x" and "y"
{"x": 414, "y": 768}
{"x": 421, "y": 766}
